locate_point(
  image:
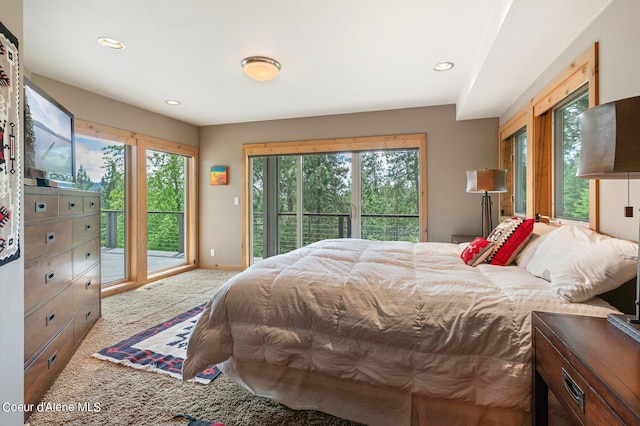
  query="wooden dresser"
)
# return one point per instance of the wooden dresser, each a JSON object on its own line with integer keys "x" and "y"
{"x": 592, "y": 368}
{"x": 61, "y": 280}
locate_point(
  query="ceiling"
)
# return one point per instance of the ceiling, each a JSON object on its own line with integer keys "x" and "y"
{"x": 337, "y": 56}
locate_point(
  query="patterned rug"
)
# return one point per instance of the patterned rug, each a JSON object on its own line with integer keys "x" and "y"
{"x": 161, "y": 349}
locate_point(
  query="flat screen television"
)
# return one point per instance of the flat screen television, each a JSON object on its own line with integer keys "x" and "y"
{"x": 48, "y": 139}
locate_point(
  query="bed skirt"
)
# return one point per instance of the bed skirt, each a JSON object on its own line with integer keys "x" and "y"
{"x": 361, "y": 402}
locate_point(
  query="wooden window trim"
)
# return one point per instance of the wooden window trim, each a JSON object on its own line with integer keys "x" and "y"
{"x": 409, "y": 141}
{"x": 136, "y": 205}
{"x": 533, "y": 115}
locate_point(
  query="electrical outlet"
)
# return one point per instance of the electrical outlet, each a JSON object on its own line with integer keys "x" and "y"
{"x": 213, "y": 252}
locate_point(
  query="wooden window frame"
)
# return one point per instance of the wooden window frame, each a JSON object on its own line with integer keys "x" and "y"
{"x": 535, "y": 115}
{"x": 371, "y": 143}
{"x": 136, "y": 205}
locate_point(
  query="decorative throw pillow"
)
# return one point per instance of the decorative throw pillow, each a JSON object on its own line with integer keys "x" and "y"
{"x": 581, "y": 263}
{"x": 509, "y": 237}
{"x": 476, "y": 252}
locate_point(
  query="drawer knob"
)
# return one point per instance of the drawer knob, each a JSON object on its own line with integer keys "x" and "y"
{"x": 72, "y": 205}
{"x": 49, "y": 277}
{"x": 41, "y": 207}
{"x": 87, "y": 227}
{"x": 87, "y": 254}
{"x": 573, "y": 389}
{"x": 50, "y": 318}
{"x": 52, "y": 359}
{"x": 87, "y": 285}
{"x": 50, "y": 238}
{"x": 87, "y": 315}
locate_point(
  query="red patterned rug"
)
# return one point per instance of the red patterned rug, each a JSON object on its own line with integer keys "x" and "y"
{"x": 161, "y": 348}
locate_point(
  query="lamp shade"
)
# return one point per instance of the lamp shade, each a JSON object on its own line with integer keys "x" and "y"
{"x": 487, "y": 180}
{"x": 610, "y": 147}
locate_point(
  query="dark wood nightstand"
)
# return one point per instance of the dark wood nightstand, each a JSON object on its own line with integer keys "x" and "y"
{"x": 592, "y": 368}
{"x": 457, "y": 239}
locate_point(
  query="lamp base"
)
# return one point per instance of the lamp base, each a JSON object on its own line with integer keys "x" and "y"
{"x": 623, "y": 323}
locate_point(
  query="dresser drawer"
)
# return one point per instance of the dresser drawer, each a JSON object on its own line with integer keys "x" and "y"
{"x": 40, "y": 206}
{"x": 45, "y": 278}
{"x": 87, "y": 286}
{"x": 43, "y": 370}
{"x": 85, "y": 228}
{"x": 71, "y": 204}
{"x": 91, "y": 204}
{"x": 46, "y": 322}
{"x": 84, "y": 318}
{"x": 85, "y": 255}
{"x": 46, "y": 238}
{"x": 580, "y": 401}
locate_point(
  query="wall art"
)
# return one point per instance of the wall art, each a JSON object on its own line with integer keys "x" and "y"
{"x": 10, "y": 144}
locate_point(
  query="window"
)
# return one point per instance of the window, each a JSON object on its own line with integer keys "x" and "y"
{"x": 520, "y": 172}
{"x": 372, "y": 195}
{"x": 571, "y": 195}
{"x": 301, "y": 192}
{"x": 147, "y": 188}
{"x": 101, "y": 168}
{"x": 550, "y": 151}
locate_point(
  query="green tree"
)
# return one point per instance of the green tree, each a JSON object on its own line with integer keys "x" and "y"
{"x": 575, "y": 192}
{"x": 165, "y": 198}
{"x": 83, "y": 181}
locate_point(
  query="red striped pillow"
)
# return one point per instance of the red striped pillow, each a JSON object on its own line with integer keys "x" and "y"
{"x": 509, "y": 238}
{"x": 476, "y": 252}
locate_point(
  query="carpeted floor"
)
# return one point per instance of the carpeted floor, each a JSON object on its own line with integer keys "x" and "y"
{"x": 125, "y": 396}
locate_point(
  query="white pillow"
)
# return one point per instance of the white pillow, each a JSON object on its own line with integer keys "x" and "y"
{"x": 580, "y": 263}
{"x": 540, "y": 231}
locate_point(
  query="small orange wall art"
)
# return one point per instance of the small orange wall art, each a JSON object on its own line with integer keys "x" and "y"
{"x": 219, "y": 175}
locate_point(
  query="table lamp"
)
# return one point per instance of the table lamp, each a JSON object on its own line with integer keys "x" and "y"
{"x": 486, "y": 181}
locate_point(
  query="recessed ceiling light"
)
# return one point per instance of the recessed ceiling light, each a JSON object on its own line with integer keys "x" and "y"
{"x": 443, "y": 66}
{"x": 172, "y": 102}
{"x": 111, "y": 43}
{"x": 260, "y": 68}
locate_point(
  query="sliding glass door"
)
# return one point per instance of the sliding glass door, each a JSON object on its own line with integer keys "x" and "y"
{"x": 300, "y": 199}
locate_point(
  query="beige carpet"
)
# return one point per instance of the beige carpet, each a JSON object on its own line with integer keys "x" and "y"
{"x": 127, "y": 396}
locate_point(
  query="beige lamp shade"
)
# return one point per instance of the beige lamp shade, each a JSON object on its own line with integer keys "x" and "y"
{"x": 260, "y": 68}
{"x": 487, "y": 180}
{"x": 610, "y": 146}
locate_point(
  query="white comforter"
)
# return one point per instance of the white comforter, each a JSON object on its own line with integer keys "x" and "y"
{"x": 409, "y": 316}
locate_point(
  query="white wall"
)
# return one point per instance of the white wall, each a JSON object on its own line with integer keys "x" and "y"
{"x": 618, "y": 34}
{"x": 452, "y": 148}
{"x": 12, "y": 287}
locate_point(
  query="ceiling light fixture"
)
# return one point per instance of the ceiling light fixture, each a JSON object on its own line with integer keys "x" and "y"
{"x": 260, "y": 68}
{"x": 172, "y": 102}
{"x": 443, "y": 66}
{"x": 111, "y": 43}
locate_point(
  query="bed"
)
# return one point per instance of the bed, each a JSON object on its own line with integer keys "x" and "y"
{"x": 404, "y": 333}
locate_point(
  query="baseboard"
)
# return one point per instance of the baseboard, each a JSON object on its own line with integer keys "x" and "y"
{"x": 220, "y": 266}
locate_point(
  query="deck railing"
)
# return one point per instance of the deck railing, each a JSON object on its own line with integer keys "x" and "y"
{"x": 319, "y": 226}
{"x": 165, "y": 230}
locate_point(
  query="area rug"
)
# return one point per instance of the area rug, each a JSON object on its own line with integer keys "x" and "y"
{"x": 161, "y": 348}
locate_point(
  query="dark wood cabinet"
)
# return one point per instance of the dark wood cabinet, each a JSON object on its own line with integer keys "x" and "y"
{"x": 61, "y": 280}
{"x": 592, "y": 368}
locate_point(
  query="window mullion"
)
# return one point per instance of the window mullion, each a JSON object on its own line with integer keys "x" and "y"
{"x": 299, "y": 200}
{"x": 356, "y": 195}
